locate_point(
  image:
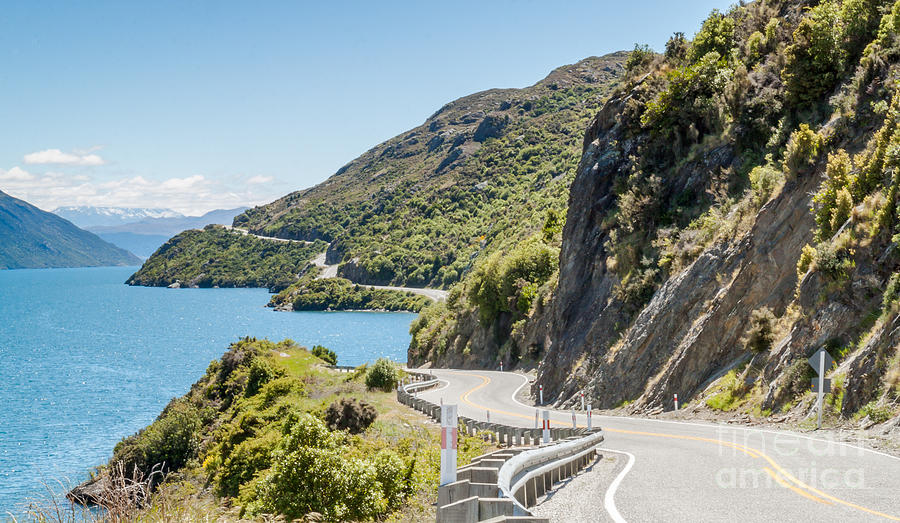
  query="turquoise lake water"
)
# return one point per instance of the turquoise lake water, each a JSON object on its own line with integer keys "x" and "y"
{"x": 86, "y": 360}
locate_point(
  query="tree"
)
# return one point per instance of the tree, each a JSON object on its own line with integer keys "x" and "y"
{"x": 324, "y": 354}
{"x": 815, "y": 58}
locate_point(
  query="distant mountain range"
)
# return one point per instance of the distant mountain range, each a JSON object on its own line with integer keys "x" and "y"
{"x": 86, "y": 216}
{"x": 32, "y": 239}
{"x": 142, "y": 231}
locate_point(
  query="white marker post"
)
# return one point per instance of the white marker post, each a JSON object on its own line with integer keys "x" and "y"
{"x": 449, "y": 435}
{"x": 821, "y": 361}
{"x": 676, "y": 401}
{"x": 541, "y": 391}
{"x": 546, "y": 433}
{"x": 488, "y": 416}
{"x": 582, "y": 400}
{"x": 501, "y": 366}
{"x": 574, "y": 423}
{"x": 820, "y": 394}
{"x": 589, "y": 416}
{"x": 536, "y": 422}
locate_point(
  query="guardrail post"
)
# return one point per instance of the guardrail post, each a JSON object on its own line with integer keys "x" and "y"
{"x": 546, "y": 427}
{"x": 449, "y": 423}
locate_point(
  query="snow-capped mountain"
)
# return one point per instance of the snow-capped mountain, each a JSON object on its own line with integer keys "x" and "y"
{"x": 88, "y": 216}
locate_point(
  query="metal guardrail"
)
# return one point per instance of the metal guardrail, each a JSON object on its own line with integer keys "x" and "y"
{"x": 531, "y": 465}
{"x": 519, "y": 476}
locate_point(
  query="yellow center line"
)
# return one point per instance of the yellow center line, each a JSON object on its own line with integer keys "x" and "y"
{"x": 801, "y": 488}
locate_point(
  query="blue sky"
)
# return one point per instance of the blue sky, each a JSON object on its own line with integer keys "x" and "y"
{"x": 201, "y": 105}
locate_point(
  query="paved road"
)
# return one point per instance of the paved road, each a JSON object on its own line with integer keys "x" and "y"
{"x": 677, "y": 471}
{"x": 330, "y": 271}
{"x": 245, "y": 232}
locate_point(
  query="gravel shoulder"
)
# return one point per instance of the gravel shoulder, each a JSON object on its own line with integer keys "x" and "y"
{"x": 580, "y": 498}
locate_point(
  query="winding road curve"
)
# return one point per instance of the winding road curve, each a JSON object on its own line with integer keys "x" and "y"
{"x": 679, "y": 471}
{"x": 330, "y": 271}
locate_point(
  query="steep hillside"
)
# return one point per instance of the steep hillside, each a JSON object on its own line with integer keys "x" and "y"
{"x": 34, "y": 239}
{"x": 482, "y": 171}
{"x": 734, "y": 210}
{"x": 218, "y": 257}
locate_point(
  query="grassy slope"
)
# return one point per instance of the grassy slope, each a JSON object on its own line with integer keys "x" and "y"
{"x": 216, "y": 256}
{"x": 236, "y": 434}
{"x": 483, "y": 170}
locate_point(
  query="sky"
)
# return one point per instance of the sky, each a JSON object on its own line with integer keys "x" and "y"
{"x": 200, "y": 105}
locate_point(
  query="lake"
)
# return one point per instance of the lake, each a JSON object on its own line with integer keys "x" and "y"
{"x": 86, "y": 360}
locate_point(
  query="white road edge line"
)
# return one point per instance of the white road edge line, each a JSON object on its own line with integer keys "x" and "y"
{"x": 609, "y": 499}
{"x": 720, "y": 426}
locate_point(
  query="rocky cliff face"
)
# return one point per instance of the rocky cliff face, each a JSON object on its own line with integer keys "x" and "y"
{"x": 692, "y": 327}
{"x": 709, "y": 253}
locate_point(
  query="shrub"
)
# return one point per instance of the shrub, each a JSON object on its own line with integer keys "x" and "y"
{"x": 814, "y": 60}
{"x": 763, "y": 180}
{"x": 324, "y": 354}
{"x": 677, "y": 48}
{"x": 639, "y": 58}
{"x": 350, "y": 415}
{"x": 842, "y": 208}
{"x": 859, "y": 22}
{"x": 802, "y": 151}
{"x": 891, "y": 290}
{"x": 167, "y": 444}
{"x": 716, "y": 35}
{"x": 806, "y": 260}
{"x": 507, "y": 283}
{"x": 690, "y": 107}
{"x": 876, "y": 414}
{"x": 760, "y": 333}
{"x": 261, "y": 372}
{"x": 833, "y": 200}
{"x": 311, "y": 473}
{"x": 382, "y": 375}
{"x": 756, "y": 47}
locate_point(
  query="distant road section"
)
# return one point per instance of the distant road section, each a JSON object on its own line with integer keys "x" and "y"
{"x": 330, "y": 271}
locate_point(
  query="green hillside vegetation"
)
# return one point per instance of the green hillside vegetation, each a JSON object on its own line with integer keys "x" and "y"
{"x": 484, "y": 170}
{"x": 260, "y": 432}
{"x": 217, "y": 257}
{"x": 767, "y": 94}
{"x": 341, "y": 294}
{"x": 34, "y": 239}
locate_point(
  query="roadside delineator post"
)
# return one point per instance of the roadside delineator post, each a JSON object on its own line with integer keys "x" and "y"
{"x": 536, "y": 422}
{"x": 582, "y": 400}
{"x": 545, "y": 436}
{"x": 574, "y": 423}
{"x": 501, "y": 366}
{"x": 589, "y": 416}
{"x": 488, "y": 416}
{"x": 541, "y": 399}
{"x": 676, "y": 401}
{"x": 449, "y": 437}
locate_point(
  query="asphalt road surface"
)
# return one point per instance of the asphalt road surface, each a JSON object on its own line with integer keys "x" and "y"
{"x": 679, "y": 471}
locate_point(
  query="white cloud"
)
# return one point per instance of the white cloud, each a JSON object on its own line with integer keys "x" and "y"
{"x": 260, "y": 179}
{"x": 191, "y": 195}
{"x": 57, "y": 157}
{"x": 16, "y": 174}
